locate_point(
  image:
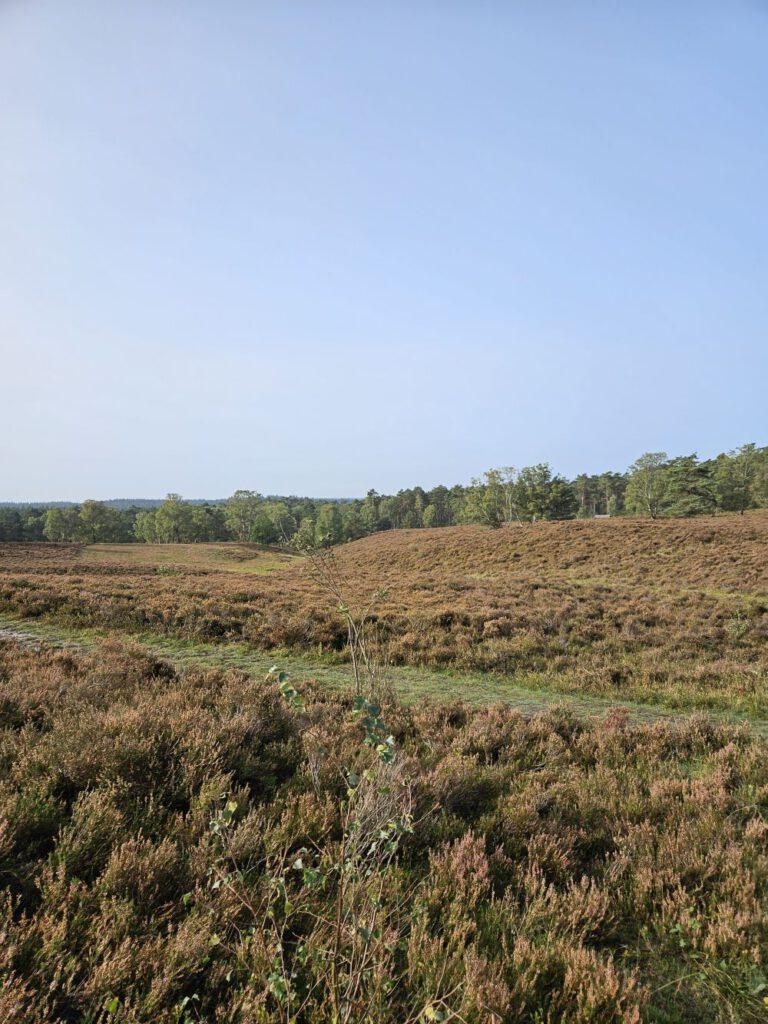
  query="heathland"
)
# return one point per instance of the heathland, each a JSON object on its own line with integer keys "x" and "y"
{"x": 185, "y": 840}
{"x": 672, "y": 611}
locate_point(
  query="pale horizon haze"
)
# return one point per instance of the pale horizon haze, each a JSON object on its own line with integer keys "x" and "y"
{"x": 318, "y": 247}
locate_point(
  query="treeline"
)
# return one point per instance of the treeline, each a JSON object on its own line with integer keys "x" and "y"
{"x": 655, "y": 485}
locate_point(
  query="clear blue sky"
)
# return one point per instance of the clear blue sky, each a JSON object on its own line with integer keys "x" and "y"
{"x": 314, "y": 247}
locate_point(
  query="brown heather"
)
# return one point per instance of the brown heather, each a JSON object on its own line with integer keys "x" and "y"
{"x": 674, "y": 611}
{"x": 560, "y": 870}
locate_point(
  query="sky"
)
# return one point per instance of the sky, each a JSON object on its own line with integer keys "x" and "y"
{"x": 317, "y": 247}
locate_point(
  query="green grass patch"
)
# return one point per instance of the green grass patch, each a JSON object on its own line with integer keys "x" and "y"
{"x": 531, "y": 694}
{"x": 221, "y": 557}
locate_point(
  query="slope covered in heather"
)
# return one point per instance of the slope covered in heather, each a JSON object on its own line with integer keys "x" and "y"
{"x": 674, "y": 612}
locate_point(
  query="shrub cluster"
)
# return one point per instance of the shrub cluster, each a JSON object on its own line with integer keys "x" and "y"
{"x": 556, "y": 870}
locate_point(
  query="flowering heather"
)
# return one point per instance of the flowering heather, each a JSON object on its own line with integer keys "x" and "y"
{"x": 557, "y": 870}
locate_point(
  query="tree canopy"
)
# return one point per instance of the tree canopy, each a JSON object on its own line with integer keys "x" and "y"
{"x": 654, "y": 485}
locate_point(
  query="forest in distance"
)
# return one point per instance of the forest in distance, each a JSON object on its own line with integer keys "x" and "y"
{"x": 655, "y": 485}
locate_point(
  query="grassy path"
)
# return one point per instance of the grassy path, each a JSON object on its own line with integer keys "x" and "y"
{"x": 412, "y": 684}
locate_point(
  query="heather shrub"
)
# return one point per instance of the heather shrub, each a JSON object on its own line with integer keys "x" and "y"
{"x": 176, "y": 848}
